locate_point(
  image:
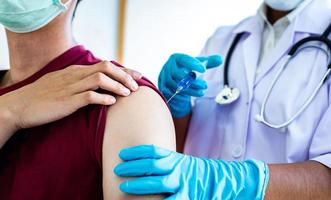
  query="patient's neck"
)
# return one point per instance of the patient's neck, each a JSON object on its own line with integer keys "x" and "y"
{"x": 30, "y": 52}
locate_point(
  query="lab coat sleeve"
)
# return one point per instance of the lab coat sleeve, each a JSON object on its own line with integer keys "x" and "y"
{"x": 213, "y": 47}
{"x": 320, "y": 149}
{"x": 209, "y": 48}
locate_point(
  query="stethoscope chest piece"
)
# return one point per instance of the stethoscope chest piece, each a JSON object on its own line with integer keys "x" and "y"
{"x": 227, "y": 95}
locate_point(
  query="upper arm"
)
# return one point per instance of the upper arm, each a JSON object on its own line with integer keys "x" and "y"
{"x": 141, "y": 118}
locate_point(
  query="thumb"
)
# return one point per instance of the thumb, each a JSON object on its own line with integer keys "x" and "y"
{"x": 211, "y": 61}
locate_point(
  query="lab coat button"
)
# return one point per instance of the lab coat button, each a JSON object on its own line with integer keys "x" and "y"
{"x": 237, "y": 152}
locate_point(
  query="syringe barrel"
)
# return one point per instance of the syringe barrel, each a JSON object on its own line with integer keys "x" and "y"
{"x": 187, "y": 81}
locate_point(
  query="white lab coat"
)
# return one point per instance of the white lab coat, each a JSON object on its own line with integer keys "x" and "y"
{"x": 230, "y": 132}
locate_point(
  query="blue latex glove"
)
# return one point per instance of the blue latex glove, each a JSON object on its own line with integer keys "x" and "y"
{"x": 185, "y": 177}
{"x": 176, "y": 68}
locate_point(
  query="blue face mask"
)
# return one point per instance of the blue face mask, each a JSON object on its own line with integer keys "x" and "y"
{"x": 23, "y": 16}
{"x": 283, "y": 5}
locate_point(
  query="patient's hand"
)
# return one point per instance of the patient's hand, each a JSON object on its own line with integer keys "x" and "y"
{"x": 59, "y": 94}
{"x": 141, "y": 118}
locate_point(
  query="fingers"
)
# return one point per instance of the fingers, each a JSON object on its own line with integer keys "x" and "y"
{"x": 172, "y": 84}
{"x": 212, "y": 61}
{"x": 194, "y": 92}
{"x": 199, "y": 84}
{"x": 179, "y": 74}
{"x": 148, "y": 185}
{"x": 112, "y": 71}
{"x": 142, "y": 152}
{"x": 188, "y": 62}
{"x": 197, "y": 89}
{"x": 119, "y": 75}
{"x": 91, "y": 97}
{"x": 135, "y": 74}
{"x": 197, "y": 64}
{"x": 144, "y": 167}
{"x": 100, "y": 80}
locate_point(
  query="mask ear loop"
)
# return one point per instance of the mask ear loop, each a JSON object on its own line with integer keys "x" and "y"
{"x": 261, "y": 117}
{"x": 62, "y": 5}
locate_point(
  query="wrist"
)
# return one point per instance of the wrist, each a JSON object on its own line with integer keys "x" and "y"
{"x": 180, "y": 114}
{"x": 180, "y": 110}
{"x": 256, "y": 180}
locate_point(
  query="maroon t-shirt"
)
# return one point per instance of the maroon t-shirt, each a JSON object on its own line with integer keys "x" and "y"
{"x": 61, "y": 160}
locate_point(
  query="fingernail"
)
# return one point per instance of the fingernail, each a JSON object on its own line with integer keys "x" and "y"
{"x": 120, "y": 171}
{"x": 126, "y": 91}
{"x": 123, "y": 186}
{"x": 134, "y": 85}
{"x": 204, "y": 86}
{"x": 111, "y": 100}
{"x": 117, "y": 171}
{"x": 137, "y": 75}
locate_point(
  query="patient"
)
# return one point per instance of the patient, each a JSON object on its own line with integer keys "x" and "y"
{"x": 73, "y": 158}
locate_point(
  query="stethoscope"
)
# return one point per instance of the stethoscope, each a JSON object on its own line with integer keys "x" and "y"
{"x": 229, "y": 94}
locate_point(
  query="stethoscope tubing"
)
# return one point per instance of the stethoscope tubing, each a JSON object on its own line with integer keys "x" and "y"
{"x": 261, "y": 117}
{"x": 294, "y": 51}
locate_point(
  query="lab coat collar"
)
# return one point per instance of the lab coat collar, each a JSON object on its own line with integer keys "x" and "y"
{"x": 251, "y": 45}
{"x": 313, "y": 19}
{"x": 249, "y": 25}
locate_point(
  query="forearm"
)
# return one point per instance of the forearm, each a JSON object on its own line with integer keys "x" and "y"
{"x": 308, "y": 180}
{"x": 181, "y": 126}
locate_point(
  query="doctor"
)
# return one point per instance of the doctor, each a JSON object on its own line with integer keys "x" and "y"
{"x": 274, "y": 141}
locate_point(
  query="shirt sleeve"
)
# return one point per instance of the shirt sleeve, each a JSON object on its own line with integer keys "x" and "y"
{"x": 96, "y": 117}
{"x": 320, "y": 149}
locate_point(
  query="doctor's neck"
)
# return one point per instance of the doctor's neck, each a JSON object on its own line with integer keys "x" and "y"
{"x": 29, "y": 52}
{"x": 274, "y": 15}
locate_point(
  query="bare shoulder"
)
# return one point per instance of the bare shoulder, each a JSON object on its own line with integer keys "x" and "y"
{"x": 141, "y": 118}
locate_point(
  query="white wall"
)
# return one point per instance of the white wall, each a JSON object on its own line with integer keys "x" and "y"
{"x": 4, "y": 62}
{"x": 154, "y": 29}
{"x": 158, "y": 28}
{"x": 95, "y": 26}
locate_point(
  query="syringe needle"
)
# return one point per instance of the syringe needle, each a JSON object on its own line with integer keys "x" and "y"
{"x": 184, "y": 84}
{"x": 172, "y": 97}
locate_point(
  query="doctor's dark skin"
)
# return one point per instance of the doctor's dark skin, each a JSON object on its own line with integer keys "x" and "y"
{"x": 306, "y": 180}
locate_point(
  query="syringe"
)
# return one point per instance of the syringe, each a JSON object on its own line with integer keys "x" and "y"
{"x": 184, "y": 84}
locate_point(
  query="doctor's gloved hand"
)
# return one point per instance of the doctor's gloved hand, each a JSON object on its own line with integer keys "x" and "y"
{"x": 160, "y": 171}
{"x": 176, "y": 68}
